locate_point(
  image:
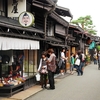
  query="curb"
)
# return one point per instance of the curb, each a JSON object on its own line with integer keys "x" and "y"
{"x": 9, "y": 99}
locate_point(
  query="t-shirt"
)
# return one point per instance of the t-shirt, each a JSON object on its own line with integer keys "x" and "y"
{"x": 83, "y": 57}
{"x": 72, "y": 60}
{"x": 62, "y": 55}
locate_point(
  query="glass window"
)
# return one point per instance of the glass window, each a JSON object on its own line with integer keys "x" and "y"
{"x": 4, "y": 70}
{"x": 6, "y": 61}
{"x": 27, "y": 59}
{"x": 30, "y": 62}
{"x": 25, "y": 64}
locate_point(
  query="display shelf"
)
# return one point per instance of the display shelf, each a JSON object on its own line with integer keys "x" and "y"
{"x": 10, "y": 90}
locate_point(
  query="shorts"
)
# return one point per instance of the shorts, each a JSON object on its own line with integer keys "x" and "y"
{"x": 63, "y": 65}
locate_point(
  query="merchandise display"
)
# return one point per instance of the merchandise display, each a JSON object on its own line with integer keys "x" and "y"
{"x": 11, "y": 81}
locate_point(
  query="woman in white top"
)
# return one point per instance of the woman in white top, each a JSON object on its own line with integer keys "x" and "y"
{"x": 63, "y": 58}
{"x": 43, "y": 70}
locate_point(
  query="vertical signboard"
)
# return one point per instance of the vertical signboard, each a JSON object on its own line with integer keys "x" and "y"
{"x": 15, "y": 7}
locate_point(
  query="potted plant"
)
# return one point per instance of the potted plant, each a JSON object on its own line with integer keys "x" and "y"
{"x": 87, "y": 59}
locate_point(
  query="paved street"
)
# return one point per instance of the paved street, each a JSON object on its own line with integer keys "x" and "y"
{"x": 73, "y": 87}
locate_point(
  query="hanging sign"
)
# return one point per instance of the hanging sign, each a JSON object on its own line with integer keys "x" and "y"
{"x": 26, "y": 19}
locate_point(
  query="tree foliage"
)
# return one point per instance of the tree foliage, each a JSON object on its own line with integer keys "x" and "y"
{"x": 86, "y": 24}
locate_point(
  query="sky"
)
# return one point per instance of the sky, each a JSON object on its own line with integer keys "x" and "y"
{"x": 83, "y": 8}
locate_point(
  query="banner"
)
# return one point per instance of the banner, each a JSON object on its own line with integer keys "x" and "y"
{"x": 16, "y": 7}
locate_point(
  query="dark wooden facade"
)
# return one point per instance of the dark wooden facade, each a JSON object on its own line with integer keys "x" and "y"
{"x": 45, "y": 30}
{"x": 51, "y": 30}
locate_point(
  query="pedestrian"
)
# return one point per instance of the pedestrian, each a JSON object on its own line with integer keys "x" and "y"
{"x": 51, "y": 65}
{"x": 75, "y": 57}
{"x": 78, "y": 64}
{"x": 83, "y": 60}
{"x": 63, "y": 60}
{"x": 71, "y": 63}
{"x": 99, "y": 60}
{"x": 43, "y": 70}
{"x": 95, "y": 58}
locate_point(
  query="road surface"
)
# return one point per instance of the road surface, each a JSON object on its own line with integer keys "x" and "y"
{"x": 73, "y": 87}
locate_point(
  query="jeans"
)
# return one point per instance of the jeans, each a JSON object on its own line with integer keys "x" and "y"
{"x": 95, "y": 61}
{"x": 79, "y": 69}
{"x": 71, "y": 67}
{"x": 51, "y": 79}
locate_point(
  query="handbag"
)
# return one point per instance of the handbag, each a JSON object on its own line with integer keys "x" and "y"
{"x": 37, "y": 77}
{"x": 44, "y": 71}
{"x": 77, "y": 62}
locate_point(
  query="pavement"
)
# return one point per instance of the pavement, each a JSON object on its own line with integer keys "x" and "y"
{"x": 23, "y": 95}
{"x": 73, "y": 87}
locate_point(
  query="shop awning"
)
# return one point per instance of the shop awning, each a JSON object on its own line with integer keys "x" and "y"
{"x": 18, "y": 44}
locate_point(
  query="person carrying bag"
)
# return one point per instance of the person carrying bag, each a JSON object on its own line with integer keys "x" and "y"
{"x": 77, "y": 61}
{"x": 51, "y": 64}
{"x": 43, "y": 70}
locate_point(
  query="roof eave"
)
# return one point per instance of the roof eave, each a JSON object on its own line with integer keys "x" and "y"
{"x": 63, "y": 11}
{"x": 59, "y": 19}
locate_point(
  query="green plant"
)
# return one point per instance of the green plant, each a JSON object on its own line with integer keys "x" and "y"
{"x": 98, "y": 47}
{"x": 87, "y": 58}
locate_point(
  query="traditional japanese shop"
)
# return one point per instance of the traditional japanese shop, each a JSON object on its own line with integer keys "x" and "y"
{"x": 18, "y": 61}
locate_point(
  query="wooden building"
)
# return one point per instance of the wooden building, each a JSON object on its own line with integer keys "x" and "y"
{"x": 49, "y": 30}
